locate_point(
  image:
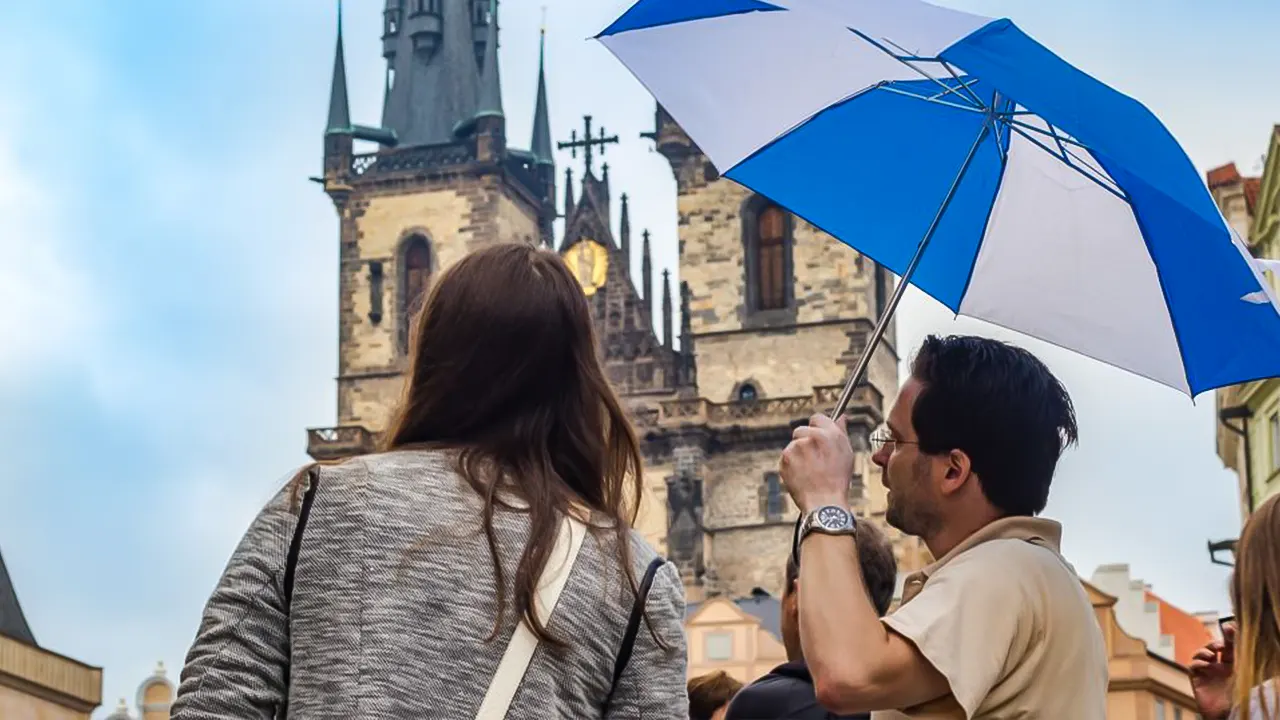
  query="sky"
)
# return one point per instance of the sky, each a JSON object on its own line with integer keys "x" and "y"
{"x": 170, "y": 283}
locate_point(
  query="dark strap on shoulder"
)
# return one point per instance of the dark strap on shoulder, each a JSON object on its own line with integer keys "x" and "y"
{"x": 291, "y": 567}
{"x": 633, "y": 627}
{"x": 295, "y": 546}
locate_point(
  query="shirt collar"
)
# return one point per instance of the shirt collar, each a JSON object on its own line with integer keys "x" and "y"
{"x": 1038, "y": 531}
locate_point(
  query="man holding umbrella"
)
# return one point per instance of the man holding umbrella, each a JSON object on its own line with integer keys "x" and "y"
{"x": 999, "y": 626}
{"x": 1041, "y": 200}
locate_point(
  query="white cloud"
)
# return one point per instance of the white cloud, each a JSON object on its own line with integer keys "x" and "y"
{"x": 45, "y": 301}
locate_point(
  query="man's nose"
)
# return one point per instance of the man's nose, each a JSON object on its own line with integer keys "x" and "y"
{"x": 881, "y": 457}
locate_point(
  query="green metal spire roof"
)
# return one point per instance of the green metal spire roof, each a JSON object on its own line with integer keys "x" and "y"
{"x": 339, "y": 110}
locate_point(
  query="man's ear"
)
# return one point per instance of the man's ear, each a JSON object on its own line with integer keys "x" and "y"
{"x": 955, "y": 471}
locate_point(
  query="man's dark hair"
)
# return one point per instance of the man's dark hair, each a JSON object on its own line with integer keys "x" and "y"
{"x": 879, "y": 567}
{"x": 999, "y": 405}
{"x": 708, "y": 693}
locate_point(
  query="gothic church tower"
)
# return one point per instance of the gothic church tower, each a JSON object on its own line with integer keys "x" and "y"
{"x": 778, "y": 314}
{"x": 442, "y": 182}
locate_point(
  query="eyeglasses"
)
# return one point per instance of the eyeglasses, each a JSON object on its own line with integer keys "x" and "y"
{"x": 884, "y": 436}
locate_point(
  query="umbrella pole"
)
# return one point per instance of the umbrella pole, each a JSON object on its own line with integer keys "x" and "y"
{"x": 860, "y": 370}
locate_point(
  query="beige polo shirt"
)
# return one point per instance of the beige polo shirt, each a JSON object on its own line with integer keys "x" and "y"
{"x": 1005, "y": 619}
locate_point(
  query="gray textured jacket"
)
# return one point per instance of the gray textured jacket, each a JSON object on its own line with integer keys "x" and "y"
{"x": 393, "y": 600}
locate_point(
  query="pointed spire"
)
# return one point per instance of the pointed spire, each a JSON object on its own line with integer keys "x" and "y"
{"x": 490, "y": 81}
{"x": 339, "y": 110}
{"x": 568, "y": 193}
{"x": 540, "y": 146}
{"x": 625, "y": 234}
{"x": 13, "y": 623}
{"x": 646, "y": 273}
{"x": 686, "y": 321}
{"x": 688, "y": 364}
{"x": 667, "y": 340}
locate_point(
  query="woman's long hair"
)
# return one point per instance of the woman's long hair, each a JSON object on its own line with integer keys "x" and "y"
{"x": 504, "y": 369}
{"x": 1255, "y": 593}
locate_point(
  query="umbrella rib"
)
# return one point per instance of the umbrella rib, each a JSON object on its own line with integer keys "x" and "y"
{"x": 908, "y": 60}
{"x": 934, "y": 100}
{"x": 1066, "y": 161}
{"x": 963, "y": 84}
{"x": 1051, "y": 132}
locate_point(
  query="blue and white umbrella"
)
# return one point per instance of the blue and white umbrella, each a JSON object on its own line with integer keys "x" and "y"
{"x": 969, "y": 159}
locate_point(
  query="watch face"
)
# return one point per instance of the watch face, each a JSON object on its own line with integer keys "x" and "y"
{"x": 833, "y": 518}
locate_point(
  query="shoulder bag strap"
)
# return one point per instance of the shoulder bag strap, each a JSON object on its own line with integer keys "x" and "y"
{"x": 633, "y": 628}
{"x": 291, "y": 567}
{"x": 515, "y": 661}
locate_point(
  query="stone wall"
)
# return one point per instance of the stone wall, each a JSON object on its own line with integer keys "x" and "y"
{"x": 456, "y": 215}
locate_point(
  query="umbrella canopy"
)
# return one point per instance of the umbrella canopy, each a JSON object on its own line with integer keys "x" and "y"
{"x": 1053, "y": 205}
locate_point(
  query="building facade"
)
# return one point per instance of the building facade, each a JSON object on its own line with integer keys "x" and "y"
{"x": 1143, "y": 683}
{"x": 36, "y": 682}
{"x": 154, "y": 698}
{"x": 771, "y": 314}
{"x": 1248, "y": 433}
{"x": 1166, "y": 630}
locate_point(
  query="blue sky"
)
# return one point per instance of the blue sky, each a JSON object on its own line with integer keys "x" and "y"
{"x": 171, "y": 291}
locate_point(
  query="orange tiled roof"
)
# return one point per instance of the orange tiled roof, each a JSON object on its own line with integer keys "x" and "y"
{"x": 1223, "y": 175}
{"x": 1252, "y": 186}
{"x": 1189, "y": 634}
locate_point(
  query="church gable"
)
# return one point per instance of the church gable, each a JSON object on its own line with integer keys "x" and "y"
{"x": 635, "y": 359}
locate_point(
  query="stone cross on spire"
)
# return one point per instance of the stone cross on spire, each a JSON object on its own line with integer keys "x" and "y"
{"x": 587, "y": 142}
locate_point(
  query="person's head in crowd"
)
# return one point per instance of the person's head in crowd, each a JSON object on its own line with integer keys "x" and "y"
{"x": 879, "y": 573}
{"x": 975, "y": 435}
{"x": 1255, "y": 594}
{"x": 709, "y": 695}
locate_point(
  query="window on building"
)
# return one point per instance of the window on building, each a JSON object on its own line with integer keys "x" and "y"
{"x": 747, "y": 392}
{"x": 719, "y": 646}
{"x": 393, "y": 21}
{"x": 771, "y": 251}
{"x": 480, "y": 12}
{"x": 767, "y": 247}
{"x": 1274, "y": 426}
{"x": 774, "y": 500}
{"x": 1160, "y": 714}
{"x": 416, "y": 264}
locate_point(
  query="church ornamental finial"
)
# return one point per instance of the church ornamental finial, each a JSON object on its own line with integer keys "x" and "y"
{"x": 587, "y": 143}
{"x": 625, "y": 236}
{"x": 646, "y": 274}
{"x": 668, "y": 339}
{"x": 568, "y": 193}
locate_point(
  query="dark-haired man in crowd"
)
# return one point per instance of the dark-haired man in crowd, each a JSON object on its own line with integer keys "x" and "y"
{"x": 999, "y": 626}
{"x": 787, "y": 692}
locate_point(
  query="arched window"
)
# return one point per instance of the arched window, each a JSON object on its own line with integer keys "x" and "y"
{"x": 772, "y": 502}
{"x": 767, "y": 243}
{"x": 747, "y": 392}
{"x": 415, "y": 263}
{"x": 771, "y": 250}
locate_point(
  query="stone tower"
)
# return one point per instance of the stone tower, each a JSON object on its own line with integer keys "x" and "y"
{"x": 776, "y": 313}
{"x": 442, "y": 182}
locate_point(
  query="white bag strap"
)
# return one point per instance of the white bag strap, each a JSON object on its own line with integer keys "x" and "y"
{"x": 515, "y": 661}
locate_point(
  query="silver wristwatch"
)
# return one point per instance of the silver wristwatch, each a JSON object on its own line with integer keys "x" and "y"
{"x": 828, "y": 519}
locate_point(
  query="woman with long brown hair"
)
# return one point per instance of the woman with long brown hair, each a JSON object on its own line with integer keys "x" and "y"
{"x": 1237, "y": 677}
{"x": 483, "y": 564}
